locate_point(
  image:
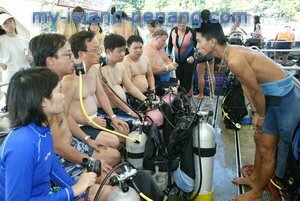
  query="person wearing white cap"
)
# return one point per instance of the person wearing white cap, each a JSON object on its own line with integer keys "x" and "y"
{"x": 13, "y": 49}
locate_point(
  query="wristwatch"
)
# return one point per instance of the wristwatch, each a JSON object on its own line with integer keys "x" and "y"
{"x": 112, "y": 116}
{"x": 87, "y": 137}
{"x": 254, "y": 113}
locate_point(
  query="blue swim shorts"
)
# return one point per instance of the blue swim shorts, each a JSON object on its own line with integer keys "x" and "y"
{"x": 75, "y": 170}
{"x": 282, "y": 118}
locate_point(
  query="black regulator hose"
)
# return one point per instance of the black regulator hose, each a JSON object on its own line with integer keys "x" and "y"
{"x": 192, "y": 121}
{"x": 200, "y": 165}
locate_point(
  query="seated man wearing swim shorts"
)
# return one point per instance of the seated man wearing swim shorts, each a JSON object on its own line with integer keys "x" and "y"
{"x": 86, "y": 49}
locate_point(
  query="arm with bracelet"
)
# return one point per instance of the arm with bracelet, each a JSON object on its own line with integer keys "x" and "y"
{"x": 104, "y": 101}
{"x": 254, "y": 111}
{"x": 156, "y": 67}
{"x": 76, "y": 131}
{"x": 170, "y": 67}
{"x": 105, "y": 95}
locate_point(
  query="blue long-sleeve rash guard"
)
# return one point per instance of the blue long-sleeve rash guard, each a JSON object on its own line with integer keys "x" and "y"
{"x": 27, "y": 163}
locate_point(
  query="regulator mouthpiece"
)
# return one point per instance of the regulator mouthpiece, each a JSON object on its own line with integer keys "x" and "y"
{"x": 80, "y": 68}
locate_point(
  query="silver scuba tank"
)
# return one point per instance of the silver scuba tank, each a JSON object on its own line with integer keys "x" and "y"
{"x": 123, "y": 192}
{"x": 118, "y": 195}
{"x": 135, "y": 151}
{"x": 204, "y": 139}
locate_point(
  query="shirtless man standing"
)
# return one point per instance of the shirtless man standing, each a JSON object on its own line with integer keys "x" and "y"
{"x": 272, "y": 95}
{"x": 160, "y": 63}
{"x": 54, "y": 52}
{"x": 137, "y": 65}
{"x": 86, "y": 49}
{"x": 115, "y": 74}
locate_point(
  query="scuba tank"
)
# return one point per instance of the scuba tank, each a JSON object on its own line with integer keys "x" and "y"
{"x": 204, "y": 140}
{"x": 169, "y": 97}
{"x": 157, "y": 117}
{"x": 123, "y": 194}
{"x": 135, "y": 151}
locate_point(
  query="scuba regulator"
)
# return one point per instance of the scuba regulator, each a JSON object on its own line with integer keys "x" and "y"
{"x": 92, "y": 165}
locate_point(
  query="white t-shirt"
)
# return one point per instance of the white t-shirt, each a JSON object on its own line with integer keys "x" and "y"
{"x": 12, "y": 53}
{"x": 258, "y": 30}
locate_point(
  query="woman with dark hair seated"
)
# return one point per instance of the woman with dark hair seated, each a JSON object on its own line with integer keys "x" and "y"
{"x": 27, "y": 159}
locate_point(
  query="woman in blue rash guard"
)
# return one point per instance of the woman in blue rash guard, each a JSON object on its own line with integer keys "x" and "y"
{"x": 27, "y": 159}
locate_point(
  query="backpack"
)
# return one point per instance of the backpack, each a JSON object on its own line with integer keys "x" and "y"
{"x": 235, "y": 41}
{"x": 291, "y": 178}
{"x": 233, "y": 106}
{"x": 178, "y": 140}
{"x": 154, "y": 153}
{"x": 254, "y": 42}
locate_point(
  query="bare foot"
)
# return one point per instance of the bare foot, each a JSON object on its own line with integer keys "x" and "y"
{"x": 189, "y": 94}
{"x": 199, "y": 96}
{"x": 249, "y": 196}
{"x": 249, "y": 181}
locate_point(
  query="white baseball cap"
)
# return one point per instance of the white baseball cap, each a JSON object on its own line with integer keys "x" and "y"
{"x": 4, "y": 17}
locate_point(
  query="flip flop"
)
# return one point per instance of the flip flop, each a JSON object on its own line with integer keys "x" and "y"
{"x": 273, "y": 188}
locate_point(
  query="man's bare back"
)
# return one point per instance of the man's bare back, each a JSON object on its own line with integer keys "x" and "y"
{"x": 137, "y": 71}
{"x": 246, "y": 59}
